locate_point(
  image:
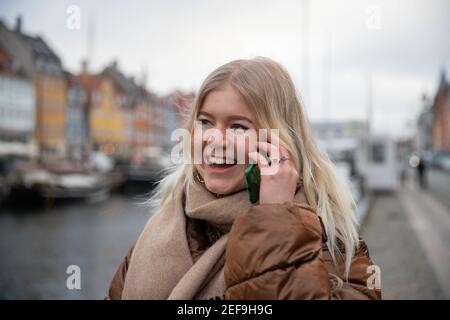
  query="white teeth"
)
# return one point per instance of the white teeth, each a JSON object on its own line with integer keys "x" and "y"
{"x": 214, "y": 160}
{"x": 217, "y": 161}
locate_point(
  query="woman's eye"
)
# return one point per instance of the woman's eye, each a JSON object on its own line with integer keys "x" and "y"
{"x": 203, "y": 122}
{"x": 238, "y": 127}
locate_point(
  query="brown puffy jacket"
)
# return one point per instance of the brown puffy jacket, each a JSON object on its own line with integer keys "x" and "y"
{"x": 277, "y": 251}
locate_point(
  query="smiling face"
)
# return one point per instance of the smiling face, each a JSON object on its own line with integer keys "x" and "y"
{"x": 224, "y": 109}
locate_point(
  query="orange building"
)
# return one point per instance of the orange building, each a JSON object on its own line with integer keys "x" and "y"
{"x": 50, "y": 99}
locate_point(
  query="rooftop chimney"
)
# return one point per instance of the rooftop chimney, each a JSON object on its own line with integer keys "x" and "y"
{"x": 84, "y": 66}
{"x": 18, "y": 28}
{"x": 443, "y": 79}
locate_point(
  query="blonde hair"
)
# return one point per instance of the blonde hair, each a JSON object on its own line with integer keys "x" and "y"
{"x": 269, "y": 91}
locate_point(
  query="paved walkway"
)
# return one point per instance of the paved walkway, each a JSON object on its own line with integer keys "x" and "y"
{"x": 408, "y": 234}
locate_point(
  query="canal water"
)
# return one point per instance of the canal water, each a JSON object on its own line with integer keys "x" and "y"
{"x": 40, "y": 240}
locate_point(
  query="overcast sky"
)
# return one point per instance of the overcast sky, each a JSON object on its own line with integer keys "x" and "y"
{"x": 331, "y": 48}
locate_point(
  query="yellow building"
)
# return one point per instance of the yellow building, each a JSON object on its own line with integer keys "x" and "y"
{"x": 106, "y": 119}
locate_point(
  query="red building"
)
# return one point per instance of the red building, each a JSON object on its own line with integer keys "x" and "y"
{"x": 441, "y": 116}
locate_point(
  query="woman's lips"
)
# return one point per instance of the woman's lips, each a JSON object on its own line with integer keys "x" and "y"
{"x": 219, "y": 168}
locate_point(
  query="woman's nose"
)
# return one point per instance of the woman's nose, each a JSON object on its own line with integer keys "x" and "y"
{"x": 217, "y": 137}
{"x": 214, "y": 136}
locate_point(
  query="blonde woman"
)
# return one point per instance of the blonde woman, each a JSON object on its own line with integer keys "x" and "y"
{"x": 206, "y": 239}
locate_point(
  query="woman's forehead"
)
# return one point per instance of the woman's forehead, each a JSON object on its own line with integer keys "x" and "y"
{"x": 224, "y": 102}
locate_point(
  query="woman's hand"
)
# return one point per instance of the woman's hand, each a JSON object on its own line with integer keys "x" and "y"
{"x": 279, "y": 180}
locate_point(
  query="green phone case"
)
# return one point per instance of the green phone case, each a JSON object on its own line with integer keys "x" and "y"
{"x": 253, "y": 180}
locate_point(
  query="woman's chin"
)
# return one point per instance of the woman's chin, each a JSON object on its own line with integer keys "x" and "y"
{"x": 221, "y": 187}
{"x": 217, "y": 188}
{"x": 224, "y": 184}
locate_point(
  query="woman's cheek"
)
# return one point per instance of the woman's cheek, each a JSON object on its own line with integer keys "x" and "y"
{"x": 197, "y": 146}
{"x": 243, "y": 147}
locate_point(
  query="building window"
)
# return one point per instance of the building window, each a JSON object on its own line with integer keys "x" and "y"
{"x": 378, "y": 153}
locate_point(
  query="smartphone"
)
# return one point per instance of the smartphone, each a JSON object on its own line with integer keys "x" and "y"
{"x": 253, "y": 180}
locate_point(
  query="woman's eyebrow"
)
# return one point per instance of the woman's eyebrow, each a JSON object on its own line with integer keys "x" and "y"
{"x": 240, "y": 118}
{"x": 205, "y": 113}
{"x": 233, "y": 117}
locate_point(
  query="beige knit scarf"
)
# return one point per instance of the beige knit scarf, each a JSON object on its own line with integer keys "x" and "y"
{"x": 161, "y": 266}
